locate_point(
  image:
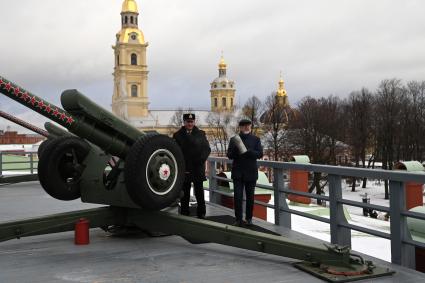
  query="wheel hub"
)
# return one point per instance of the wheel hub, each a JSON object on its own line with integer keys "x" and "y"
{"x": 161, "y": 171}
{"x": 164, "y": 172}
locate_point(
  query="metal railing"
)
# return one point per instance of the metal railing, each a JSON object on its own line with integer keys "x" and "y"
{"x": 16, "y": 165}
{"x": 402, "y": 244}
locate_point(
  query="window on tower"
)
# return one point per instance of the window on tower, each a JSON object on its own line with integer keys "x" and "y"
{"x": 231, "y": 102}
{"x": 133, "y": 90}
{"x": 126, "y": 20}
{"x": 215, "y": 102}
{"x": 136, "y": 20}
{"x": 224, "y": 85}
{"x": 223, "y": 102}
{"x": 118, "y": 60}
{"x": 131, "y": 19}
{"x": 133, "y": 59}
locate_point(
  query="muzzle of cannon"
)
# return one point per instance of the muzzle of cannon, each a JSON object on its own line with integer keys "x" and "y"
{"x": 102, "y": 158}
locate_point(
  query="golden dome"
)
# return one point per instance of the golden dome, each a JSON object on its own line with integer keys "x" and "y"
{"x": 281, "y": 89}
{"x": 222, "y": 64}
{"x": 129, "y": 6}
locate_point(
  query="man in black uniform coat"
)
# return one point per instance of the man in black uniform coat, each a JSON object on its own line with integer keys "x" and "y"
{"x": 196, "y": 150}
{"x": 244, "y": 169}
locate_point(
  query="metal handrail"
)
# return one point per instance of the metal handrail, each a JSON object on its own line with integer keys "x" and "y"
{"x": 32, "y": 162}
{"x": 401, "y": 242}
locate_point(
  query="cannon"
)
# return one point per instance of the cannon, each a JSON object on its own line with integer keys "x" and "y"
{"x": 102, "y": 158}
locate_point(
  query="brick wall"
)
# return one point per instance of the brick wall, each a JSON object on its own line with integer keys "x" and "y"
{"x": 12, "y": 137}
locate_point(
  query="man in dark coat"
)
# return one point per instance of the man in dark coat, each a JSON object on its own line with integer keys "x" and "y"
{"x": 244, "y": 148}
{"x": 196, "y": 150}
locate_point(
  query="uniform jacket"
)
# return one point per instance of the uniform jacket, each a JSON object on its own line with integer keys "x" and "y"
{"x": 196, "y": 150}
{"x": 245, "y": 165}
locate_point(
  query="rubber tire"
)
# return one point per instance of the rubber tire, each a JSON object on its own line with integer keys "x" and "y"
{"x": 51, "y": 168}
{"x": 135, "y": 171}
{"x": 43, "y": 146}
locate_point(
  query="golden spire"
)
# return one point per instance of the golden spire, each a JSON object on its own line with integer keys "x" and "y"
{"x": 129, "y": 6}
{"x": 281, "y": 89}
{"x": 222, "y": 64}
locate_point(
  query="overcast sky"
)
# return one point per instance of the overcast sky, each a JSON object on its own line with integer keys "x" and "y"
{"x": 322, "y": 47}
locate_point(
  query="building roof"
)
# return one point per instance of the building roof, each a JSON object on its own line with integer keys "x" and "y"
{"x": 164, "y": 118}
{"x": 129, "y": 6}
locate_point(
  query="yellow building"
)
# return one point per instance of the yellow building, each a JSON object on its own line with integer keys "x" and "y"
{"x": 130, "y": 97}
{"x": 222, "y": 90}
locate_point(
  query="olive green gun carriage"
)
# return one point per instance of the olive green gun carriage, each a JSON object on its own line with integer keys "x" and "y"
{"x": 102, "y": 159}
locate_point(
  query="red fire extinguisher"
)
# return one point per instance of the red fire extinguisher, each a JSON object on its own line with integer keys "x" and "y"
{"x": 82, "y": 236}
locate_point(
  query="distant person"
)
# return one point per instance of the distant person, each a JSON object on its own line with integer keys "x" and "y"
{"x": 196, "y": 150}
{"x": 244, "y": 148}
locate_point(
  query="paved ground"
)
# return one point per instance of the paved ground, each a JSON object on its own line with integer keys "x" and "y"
{"x": 54, "y": 258}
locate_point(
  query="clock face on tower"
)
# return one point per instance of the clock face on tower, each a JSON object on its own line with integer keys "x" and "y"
{"x": 133, "y": 37}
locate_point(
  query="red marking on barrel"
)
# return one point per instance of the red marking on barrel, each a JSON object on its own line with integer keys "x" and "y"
{"x": 62, "y": 116}
{"x": 40, "y": 104}
{"x": 69, "y": 120}
{"x": 48, "y": 109}
{"x": 17, "y": 91}
{"x": 2, "y": 82}
{"x": 55, "y": 112}
{"x": 8, "y": 86}
{"x": 33, "y": 100}
{"x": 25, "y": 96}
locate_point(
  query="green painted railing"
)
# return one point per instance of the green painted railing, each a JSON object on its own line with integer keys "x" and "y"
{"x": 19, "y": 162}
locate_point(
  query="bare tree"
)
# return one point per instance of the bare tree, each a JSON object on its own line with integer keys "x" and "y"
{"x": 388, "y": 101}
{"x": 252, "y": 110}
{"x": 222, "y": 126}
{"x": 275, "y": 119}
{"x": 320, "y": 126}
{"x": 358, "y": 108}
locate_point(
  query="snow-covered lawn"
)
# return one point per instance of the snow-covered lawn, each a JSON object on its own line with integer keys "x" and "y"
{"x": 361, "y": 242}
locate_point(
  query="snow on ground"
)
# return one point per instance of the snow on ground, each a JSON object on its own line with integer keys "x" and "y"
{"x": 361, "y": 242}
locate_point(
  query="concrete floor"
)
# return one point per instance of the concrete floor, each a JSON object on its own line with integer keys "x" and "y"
{"x": 138, "y": 258}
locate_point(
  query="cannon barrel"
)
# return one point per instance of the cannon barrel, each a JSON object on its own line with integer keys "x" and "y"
{"x": 82, "y": 117}
{"x": 24, "y": 124}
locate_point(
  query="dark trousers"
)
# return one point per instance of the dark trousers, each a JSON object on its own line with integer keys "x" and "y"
{"x": 199, "y": 194}
{"x": 239, "y": 187}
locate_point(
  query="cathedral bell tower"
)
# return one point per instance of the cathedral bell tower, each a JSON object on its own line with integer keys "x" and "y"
{"x": 281, "y": 94}
{"x": 222, "y": 90}
{"x": 130, "y": 97}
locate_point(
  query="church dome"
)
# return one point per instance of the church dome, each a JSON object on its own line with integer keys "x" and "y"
{"x": 222, "y": 64}
{"x": 129, "y": 6}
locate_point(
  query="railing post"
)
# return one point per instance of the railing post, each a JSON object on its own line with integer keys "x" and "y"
{"x": 1, "y": 163}
{"x": 281, "y": 218}
{"x": 339, "y": 235}
{"x": 214, "y": 197}
{"x": 31, "y": 163}
{"x": 401, "y": 253}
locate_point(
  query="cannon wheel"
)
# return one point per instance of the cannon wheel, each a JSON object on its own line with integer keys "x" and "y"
{"x": 60, "y": 168}
{"x": 42, "y": 147}
{"x": 154, "y": 171}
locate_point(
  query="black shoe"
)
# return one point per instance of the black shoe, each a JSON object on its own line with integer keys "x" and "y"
{"x": 201, "y": 216}
{"x": 238, "y": 223}
{"x": 249, "y": 222}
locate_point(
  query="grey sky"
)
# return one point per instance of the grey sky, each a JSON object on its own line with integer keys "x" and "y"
{"x": 323, "y": 47}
